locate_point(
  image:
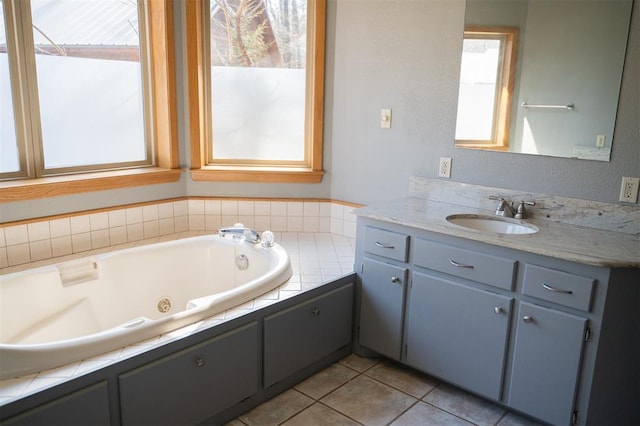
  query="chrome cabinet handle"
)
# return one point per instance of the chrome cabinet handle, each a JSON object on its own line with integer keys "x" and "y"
{"x": 460, "y": 265}
{"x": 385, "y": 246}
{"x": 527, "y": 319}
{"x": 395, "y": 279}
{"x": 498, "y": 310}
{"x": 200, "y": 362}
{"x": 557, "y": 290}
{"x": 315, "y": 312}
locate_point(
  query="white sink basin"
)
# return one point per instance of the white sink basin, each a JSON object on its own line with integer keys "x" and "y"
{"x": 494, "y": 224}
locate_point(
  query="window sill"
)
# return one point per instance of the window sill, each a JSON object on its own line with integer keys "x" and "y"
{"x": 28, "y": 189}
{"x": 257, "y": 174}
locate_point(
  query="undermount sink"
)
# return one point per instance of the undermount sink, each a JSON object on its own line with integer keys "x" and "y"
{"x": 493, "y": 224}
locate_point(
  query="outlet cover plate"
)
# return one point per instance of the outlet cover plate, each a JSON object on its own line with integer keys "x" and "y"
{"x": 444, "y": 170}
{"x": 629, "y": 189}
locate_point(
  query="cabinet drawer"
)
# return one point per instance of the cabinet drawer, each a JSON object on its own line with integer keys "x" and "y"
{"x": 483, "y": 268}
{"x": 559, "y": 287}
{"x": 386, "y": 243}
{"x": 299, "y": 336}
{"x": 192, "y": 385}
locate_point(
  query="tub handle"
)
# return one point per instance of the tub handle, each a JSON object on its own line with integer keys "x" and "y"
{"x": 315, "y": 312}
{"x": 200, "y": 361}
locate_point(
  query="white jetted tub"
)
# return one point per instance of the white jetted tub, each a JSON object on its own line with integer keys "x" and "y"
{"x": 58, "y": 314}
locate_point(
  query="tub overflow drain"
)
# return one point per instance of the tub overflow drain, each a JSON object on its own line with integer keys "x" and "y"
{"x": 164, "y": 305}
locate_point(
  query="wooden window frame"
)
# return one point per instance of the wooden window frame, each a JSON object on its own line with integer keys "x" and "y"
{"x": 200, "y": 123}
{"x": 163, "y": 124}
{"x": 504, "y": 89}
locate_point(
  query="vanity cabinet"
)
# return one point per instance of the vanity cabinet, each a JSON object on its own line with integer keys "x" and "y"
{"x": 550, "y": 338}
{"x": 458, "y": 333}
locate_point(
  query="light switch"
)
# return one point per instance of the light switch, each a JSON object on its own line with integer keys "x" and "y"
{"x": 385, "y": 118}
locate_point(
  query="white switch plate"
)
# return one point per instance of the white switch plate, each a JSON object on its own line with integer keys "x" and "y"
{"x": 600, "y": 141}
{"x": 385, "y": 118}
{"x": 629, "y": 189}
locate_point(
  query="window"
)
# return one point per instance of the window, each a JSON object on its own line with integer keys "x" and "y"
{"x": 256, "y": 110}
{"x": 87, "y": 86}
{"x": 486, "y": 86}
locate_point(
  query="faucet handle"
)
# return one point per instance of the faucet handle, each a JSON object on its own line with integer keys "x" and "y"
{"x": 521, "y": 213}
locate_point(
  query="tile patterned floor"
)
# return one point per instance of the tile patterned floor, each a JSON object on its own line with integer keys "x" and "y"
{"x": 364, "y": 391}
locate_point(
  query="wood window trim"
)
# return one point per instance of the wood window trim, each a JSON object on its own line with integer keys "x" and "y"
{"x": 198, "y": 109}
{"x": 503, "y": 109}
{"x": 160, "y": 17}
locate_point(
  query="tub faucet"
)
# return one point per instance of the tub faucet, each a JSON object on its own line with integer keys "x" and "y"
{"x": 239, "y": 230}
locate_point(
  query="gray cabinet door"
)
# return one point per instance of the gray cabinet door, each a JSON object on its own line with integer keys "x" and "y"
{"x": 299, "y": 336}
{"x": 381, "y": 307}
{"x": 192, "y": 385}
{"x": 458, "y": 333}
{"x": 546, "y": 363}
{"x": 88, "y": 406}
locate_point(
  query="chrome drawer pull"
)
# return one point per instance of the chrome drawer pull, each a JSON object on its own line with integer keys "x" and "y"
{"x": 395, "y": 279}
{"x": 548, "y": 287}
{"x": 498, "y": 310}
{"x": 386, "y": 246}
{"x": 460, "y": 265}
{"x": 527, "y": 319}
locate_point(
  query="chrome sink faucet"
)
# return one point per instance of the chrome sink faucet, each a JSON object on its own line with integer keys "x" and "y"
{"x": 505, "y": 209}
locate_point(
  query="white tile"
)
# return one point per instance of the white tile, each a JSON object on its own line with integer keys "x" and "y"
{"x": 295, "y": 208}
{"x": 60, "y": 227}
{"x": 118, "y": 235}
{"x": 325, "y": 209}
{"x": 181, "y": 223}
{"x": 99, "y": 221}
{"x": 229, "y": 208}
{"x": 166, "y": 226}
{"x": 16, "y": 235}
{"x": 213, "y": 207}
{"x": 80, "y": 224}
{"x": 117, "y": 218}
{"x": 40, "y": 250}
{"x": 229, "y": 220}
{"x": 310, "y": 208}
{"x": 134, "y": 215}
{"x": 3, "y": 242}
{"x": 61, "y": 246}
{"x": 262, "y": 208}
{"x": 348, "y": 214}
{"x": 18, "y": 254}
{"x": 151, "y": 229}
{"x": 310, "y": 224}
{"x": 4, "y": 261}
{"x": 278, "y": 223}
{"x": 135, "y": 232}
{"x": 39, "y": 231}
{"x": 337, "y": 211}
{"x": 278, "y": 208}
{"x": 196, "y": 222}
{"x": 212, "y": 222}
{"x": 324, "y": 225}
{"x": 294, "y": 224}
{"x": 247, "y": 221}
{"x": 196, "y": 207}
{"x": 246, "y": 208}
{"x": 262, "y": 223}
{"x": 165, "y": 211}
{"x": 81, "y": 242}
{"x": 100, "y": 238}
{"x": 349, "y": 229}
{"x": 180, "y": 208}
{"x": 150, "y": 212}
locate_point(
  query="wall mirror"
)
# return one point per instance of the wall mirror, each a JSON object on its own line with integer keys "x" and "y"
{"x": 542, "y": 76}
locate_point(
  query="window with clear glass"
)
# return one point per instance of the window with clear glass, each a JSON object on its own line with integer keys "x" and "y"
{"x": 486, "y": 86}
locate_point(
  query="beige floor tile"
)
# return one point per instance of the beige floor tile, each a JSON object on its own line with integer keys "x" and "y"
{"x": 326, "y": 381}
{"x": 424, "y": 414}
{"x": 403, "y": 378}
{"x": 358, "y": 363}
{"x": 319, "y": 415}
{"x": 512, "y": 419}
{"x": 464, "y": 405}
{"x": 277, "y": 409}
{"x": 368, "y": 401}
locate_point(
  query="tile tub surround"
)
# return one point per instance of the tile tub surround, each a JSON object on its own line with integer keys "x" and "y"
{"x": 316, "y": 258}
{"x": 47, "y": 238}
{"x": 367, "y": 391}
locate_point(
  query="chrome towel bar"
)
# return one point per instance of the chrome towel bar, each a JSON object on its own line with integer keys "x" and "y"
{"x": 568, "y": 106}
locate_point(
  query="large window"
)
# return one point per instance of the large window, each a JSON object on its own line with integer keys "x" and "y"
{"x": 85, "y": 86}
{"x": 256, "y": 112}
{"x": 486, "y": 86}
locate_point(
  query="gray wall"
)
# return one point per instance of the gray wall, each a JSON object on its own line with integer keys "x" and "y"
{"x": 404, "y": 55}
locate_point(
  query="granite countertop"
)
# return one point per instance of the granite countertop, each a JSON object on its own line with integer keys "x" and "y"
{"x": 579, "y": 244}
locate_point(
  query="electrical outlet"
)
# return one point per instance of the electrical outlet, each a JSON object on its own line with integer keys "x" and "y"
{"x": 445, "y": 167}
{"x": 629, "y": 189}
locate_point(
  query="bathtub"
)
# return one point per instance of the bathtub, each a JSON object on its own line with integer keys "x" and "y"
{"x": 54, "y": 315}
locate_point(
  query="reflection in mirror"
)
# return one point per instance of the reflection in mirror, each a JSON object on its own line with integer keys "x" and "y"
{"x": 562, "y": 98}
